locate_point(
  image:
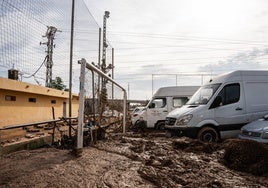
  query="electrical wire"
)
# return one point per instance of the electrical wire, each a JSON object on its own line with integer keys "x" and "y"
{"x": 37, "y": 69}
{"x": 192, "y": 38}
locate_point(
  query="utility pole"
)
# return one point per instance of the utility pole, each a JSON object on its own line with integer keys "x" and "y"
{"x": 50, "y": 34}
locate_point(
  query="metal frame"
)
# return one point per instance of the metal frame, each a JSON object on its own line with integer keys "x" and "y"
{"x": 93, "y": 69}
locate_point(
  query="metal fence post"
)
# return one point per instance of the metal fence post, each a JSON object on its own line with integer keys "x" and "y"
{"x": 79, "y": 146}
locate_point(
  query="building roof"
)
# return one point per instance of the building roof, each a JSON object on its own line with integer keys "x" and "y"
{"x": 18, "y": 86}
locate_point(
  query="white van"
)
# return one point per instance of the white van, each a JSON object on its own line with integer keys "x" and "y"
{"x": 221, "y": 107}
{"x": 164, "y": 100}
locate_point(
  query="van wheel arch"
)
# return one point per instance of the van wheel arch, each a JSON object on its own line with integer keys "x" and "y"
{"x": 208, "y": 133}
{"x": 160, "y": 125}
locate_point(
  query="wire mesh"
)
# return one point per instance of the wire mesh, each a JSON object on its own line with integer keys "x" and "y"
{"x": 23, "y": 24}
{"x": 105, "y": 100}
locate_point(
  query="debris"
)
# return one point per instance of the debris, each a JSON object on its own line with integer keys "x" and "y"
{"x": 33, "y": 130}
{"x": 29, "y": 136}
{"x": 39, "y": 126}
{"x": 40, "y": 134}
{"x": 133, "y": 160}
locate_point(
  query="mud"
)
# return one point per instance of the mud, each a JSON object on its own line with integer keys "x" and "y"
{"x": 247, "y": 156}
{"x": 140, "y": 160}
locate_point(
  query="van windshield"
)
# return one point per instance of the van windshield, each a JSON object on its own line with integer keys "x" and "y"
{"x": 203, "y": 94}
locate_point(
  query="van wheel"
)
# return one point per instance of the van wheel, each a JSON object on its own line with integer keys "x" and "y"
{"x": 135, "y": 126}
{"x": 208, "y": 134}
{"x": 160, "y": 126}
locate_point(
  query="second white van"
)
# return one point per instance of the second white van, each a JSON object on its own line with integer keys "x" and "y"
{"x": 164, "y": 100}
{"x": 221, "y": 107}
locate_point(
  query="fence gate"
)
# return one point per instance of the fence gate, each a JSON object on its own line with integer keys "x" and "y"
{"x": 102, "y": 102}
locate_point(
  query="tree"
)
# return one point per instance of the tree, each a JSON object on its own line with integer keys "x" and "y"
{"x": 58, "y": 84}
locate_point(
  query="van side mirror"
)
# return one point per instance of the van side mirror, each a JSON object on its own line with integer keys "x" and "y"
{"x": 152, "y": 105}
{"x": 216, "y": 103}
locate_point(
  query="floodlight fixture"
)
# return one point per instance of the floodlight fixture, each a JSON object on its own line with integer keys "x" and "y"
{"x": 107, "y": 14}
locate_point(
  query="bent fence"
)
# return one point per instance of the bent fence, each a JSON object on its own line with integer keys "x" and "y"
{"x": 102, "y": 101}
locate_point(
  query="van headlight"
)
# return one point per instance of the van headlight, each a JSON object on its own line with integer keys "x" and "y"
{"x": 184, "y": 120}
{"x": 265, "y": 135}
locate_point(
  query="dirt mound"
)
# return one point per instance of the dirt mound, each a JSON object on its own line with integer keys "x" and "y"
{"x": 246, "y": 155}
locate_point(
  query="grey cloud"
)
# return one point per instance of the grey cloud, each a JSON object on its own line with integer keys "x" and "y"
{"x": 242, "y": 60}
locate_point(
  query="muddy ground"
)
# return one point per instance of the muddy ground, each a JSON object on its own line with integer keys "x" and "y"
{"x": 140, "y": 160}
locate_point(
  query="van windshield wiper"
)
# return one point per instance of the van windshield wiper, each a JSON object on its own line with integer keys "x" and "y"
{"x": 192, "y": 105}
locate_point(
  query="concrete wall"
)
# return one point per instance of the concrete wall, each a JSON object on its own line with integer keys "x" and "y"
{"x": 27, "y": 103}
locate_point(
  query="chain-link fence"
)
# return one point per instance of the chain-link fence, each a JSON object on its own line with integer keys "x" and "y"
{"x": 24, "y": 25}
{"x": 38, "y": 35}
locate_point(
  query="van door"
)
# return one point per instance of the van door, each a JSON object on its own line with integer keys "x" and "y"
{"x": 231, "y": 113}
{"x": 157, "y": 110}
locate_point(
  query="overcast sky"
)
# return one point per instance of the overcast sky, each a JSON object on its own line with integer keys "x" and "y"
{"x": 182, "y": 36}
{"x": 157, "y": 42}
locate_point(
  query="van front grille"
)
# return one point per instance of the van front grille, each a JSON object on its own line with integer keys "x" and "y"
{"x": 170, "y": 121}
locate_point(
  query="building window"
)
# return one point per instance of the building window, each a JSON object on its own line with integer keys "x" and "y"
{"x": 32, "y": 100}
{"x": 10, "y": 98}
{"x": 53, "y": 101}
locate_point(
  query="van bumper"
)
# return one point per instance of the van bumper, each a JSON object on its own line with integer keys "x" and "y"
{"x": 182, "y": 131}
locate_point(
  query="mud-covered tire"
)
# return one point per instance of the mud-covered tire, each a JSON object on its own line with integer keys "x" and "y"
{"x": 136, "y": 123}
{"x": 139, "y": 125}
{"x": 208, "y": 134}
{"x": 160, "y": 126}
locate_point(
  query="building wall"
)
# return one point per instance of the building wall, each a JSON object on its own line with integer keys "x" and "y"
{"x": 26, "y": 103}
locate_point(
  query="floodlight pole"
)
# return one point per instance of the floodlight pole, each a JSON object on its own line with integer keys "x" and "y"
{"x": 103, "y": 67}
{"x": 104, "y": 45}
